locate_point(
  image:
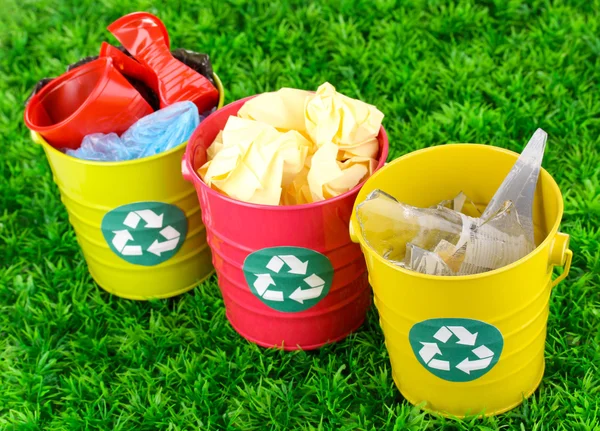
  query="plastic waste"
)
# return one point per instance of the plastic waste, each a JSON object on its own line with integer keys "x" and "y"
{"x": 519, "y": 185}
{"x": 440, "y": 240}
{"x": 145, "y": 37}
{"x": 198, "y": 61}
{"x": 155, "y": 133}
{"x": 92, "y": 98}
{"x": 461, "y": 203}
{"x": 103, "y": 147}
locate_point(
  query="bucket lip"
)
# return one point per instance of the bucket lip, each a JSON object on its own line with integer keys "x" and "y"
{"x": 197, "y": 180}
{"x": 39, "y": 139}
{"x": 104, "y": 63}
{"x": 456, "y": 278}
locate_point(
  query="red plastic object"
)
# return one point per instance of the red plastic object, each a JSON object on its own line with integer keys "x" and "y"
{"x": 235, "y": 229}
{"x": 92, "y": 98}
{"x": 143, "y": 35}
{"x": 129, "y": 66}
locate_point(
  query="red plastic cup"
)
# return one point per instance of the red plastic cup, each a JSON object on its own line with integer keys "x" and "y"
{"x": 236, "y": 229}
{"x": 92, "y": 98}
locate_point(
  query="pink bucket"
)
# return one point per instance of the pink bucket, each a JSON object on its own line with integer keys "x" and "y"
{"x": 290, "y": 275}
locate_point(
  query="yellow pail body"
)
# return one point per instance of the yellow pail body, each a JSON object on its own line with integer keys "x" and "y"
{"x": 434, "y": 326}
{"x": 115, "y": 206}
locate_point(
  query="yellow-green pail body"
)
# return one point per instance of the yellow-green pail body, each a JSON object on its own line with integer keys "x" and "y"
{"x": 466, "y": 345}
{"x": 137, "y": 222}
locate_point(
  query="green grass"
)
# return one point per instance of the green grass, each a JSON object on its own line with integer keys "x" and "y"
{"x": 74, "y": 357}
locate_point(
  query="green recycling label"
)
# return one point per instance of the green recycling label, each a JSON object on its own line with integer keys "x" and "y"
{"x": 458, "y": 350}
{"x": 145, "y": 233}
{"x": 288, "y": 279}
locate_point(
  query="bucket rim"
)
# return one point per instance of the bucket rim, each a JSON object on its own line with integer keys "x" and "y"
{"x": 457, "y": 278}
{"x": 198, "y": 182}
{"x": 40, "y": 140}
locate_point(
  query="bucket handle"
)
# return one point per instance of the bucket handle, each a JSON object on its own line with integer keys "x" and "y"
{"x": 567, "y": 267}
{"x": 561, "y": 255}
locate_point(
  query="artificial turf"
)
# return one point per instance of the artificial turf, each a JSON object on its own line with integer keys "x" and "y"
{"x": 74, "y": 357}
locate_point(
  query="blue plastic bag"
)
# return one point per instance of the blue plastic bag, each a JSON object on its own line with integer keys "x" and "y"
{"x": 155, "y": 133}
{"x": 101, "y": 147}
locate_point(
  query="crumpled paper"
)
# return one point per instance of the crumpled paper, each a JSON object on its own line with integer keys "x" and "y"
{"x": 252, "y": 161}
{"x": 348, "y": 123}
{"x": 283, "y": 109}
{"x": 293, "y": 147}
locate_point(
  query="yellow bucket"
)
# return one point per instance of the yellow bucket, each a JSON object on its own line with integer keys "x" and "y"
{"x": 466, "y": 345}
{"x": 137, "y": 222}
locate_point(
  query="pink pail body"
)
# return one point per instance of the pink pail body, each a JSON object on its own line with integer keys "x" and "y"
{"x": 258, "y": 250}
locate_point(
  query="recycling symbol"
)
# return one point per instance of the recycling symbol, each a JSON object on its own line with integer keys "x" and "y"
{"x": 145, "y": 233}
{"x": 288, "y": 279}
{"x": 458, "y": 350}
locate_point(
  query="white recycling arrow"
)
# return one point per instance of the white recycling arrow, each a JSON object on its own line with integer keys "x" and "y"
{"x": 295, "y": 264}
{"x": 443, "y": 334}
{"x": 132, "y": 220}
{"x": 464, "y": 336}
{"x": 120, "y": 242}
{"x": 120, "y": 239}
{"x": 483, "y": 352}
{"x": 300, "y": 295}
{"x": 273, "y": 295}
{"x": 170, "y": 234}
{"x": 262, "y": 283}
{"x": 428, "y": 351}
{"x": 275, "y": 264}
{"x": 152, "y": 219}
{"x": 439, "y": 365}
{"x": 315, "y": 282}
{"x": 132, "y": 250}
{"x": 468, "y": 366}
{"x": 485, "y": 356}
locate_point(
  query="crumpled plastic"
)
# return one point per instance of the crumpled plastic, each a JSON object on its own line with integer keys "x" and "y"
{"x": 442, "y": 240}
{"x": 334, "y": 136}
{"x": 153, "y": 134}
{"x": 519, "y": 185}
{"x": 198, "y": 61}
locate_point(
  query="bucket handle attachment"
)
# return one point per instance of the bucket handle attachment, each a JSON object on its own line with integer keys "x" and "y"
{"x": 561, "y": 255}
